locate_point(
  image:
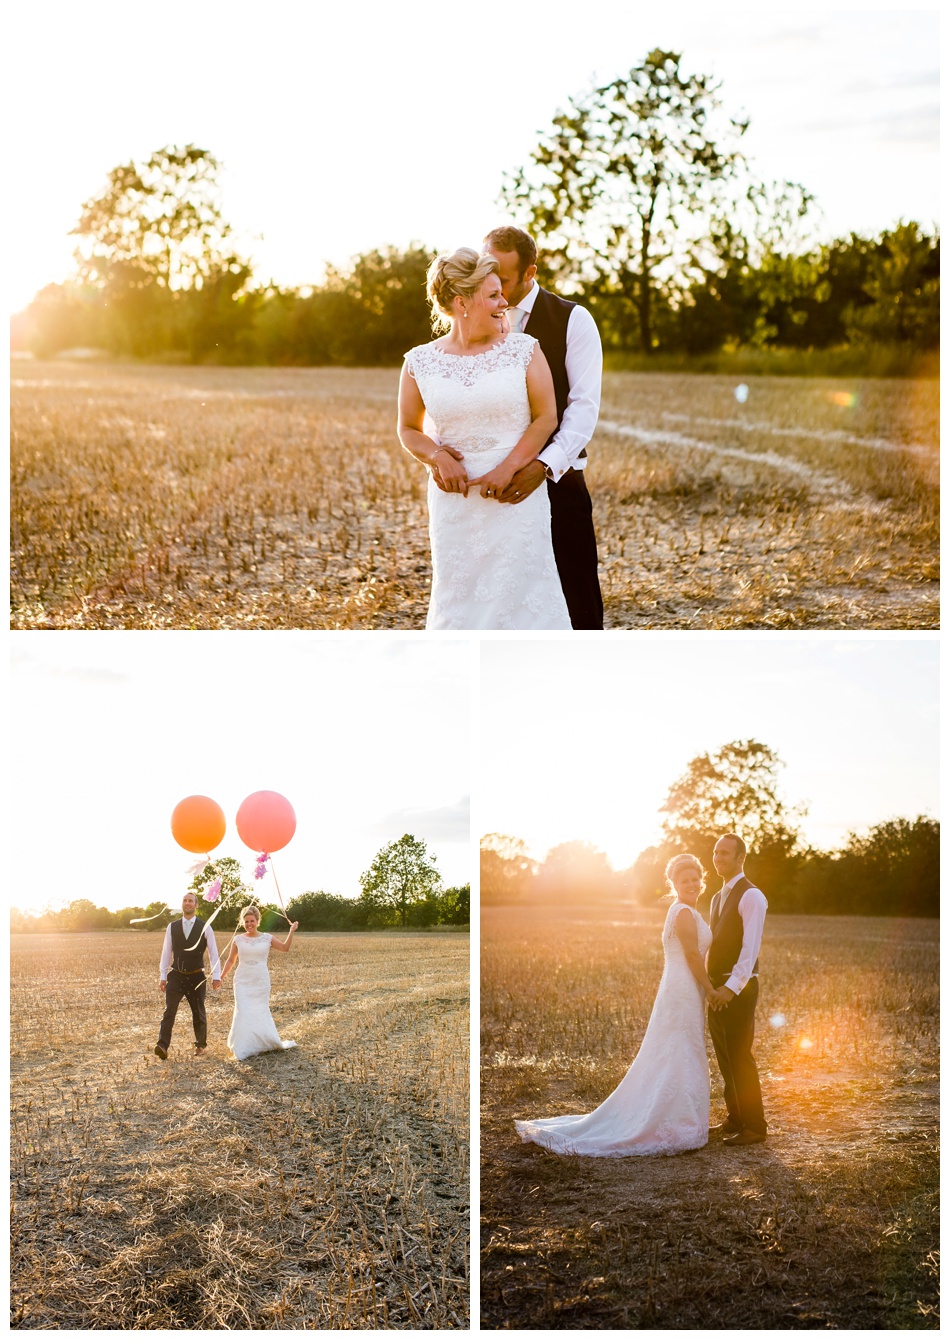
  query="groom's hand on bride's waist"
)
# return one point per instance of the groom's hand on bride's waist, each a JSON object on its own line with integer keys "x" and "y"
{"x": 524, "y": 482}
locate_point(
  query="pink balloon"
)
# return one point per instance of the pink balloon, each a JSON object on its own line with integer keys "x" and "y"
{"x": 266, "y": 821}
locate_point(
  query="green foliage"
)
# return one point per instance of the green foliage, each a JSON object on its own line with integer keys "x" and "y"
{"x": 902, "y": 290}
{"x": 234, "y": 892}
{"x": 891, "y": 870}
{"x": 327, "y": 912}
{"x": 616, "y": 188}
{"x": 455, "y": 909}
{"x": 402, "y": 885}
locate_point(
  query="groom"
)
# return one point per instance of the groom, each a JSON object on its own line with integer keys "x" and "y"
{"x": 736, "y": 918}
{"x": 181, "y": 973}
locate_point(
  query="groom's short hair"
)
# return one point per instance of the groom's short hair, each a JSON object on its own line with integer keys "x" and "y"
{"x": 740, "y": 845}
{"x": 514, "y": 239}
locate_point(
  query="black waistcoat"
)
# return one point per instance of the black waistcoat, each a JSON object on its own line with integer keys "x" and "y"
{"x": 188, "y": 955}
{"x": 727, "y": 927}
{"x": 548, "y": 324}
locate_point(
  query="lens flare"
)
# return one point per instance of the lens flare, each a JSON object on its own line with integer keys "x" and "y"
{"x": 805, "y": 1044}
{"x": 777, "y": 1020}
{"x": 846, "y": 399}
{"x": 741, "y": 393}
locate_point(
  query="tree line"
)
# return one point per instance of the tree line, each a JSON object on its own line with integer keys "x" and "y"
{"x": 893, "y": 869}
{"x": 402, "y": 888}
{"x": 645, "y": 209}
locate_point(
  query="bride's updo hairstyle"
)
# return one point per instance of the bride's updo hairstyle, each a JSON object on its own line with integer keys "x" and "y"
{"x": 460, "y": 274}
{"x": 684, "y": 858}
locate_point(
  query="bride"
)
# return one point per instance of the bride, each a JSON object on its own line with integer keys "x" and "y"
{"x": 252, "y": 1028}
{"x": 661, "y": 1106}
{"x": 490, "y": 397}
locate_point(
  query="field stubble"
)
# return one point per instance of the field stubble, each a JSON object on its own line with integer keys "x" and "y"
{"x": 321, "y": 1188}
{"x": 152, "y": 497}
{"x": 831, "y": 1224}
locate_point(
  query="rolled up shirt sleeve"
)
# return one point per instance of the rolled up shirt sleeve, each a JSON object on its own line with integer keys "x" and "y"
{"x": 584, "y": 364}
{"x": 166, "y": 959}
{"x": 752, "y": 909}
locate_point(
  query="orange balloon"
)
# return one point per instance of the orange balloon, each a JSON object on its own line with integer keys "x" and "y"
{"x": 198, "y": 824}
{"x": 266, "y": 821}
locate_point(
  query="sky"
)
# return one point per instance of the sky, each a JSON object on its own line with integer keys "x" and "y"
{"x": 854, "y": 720}
{"x": 343, "y": 128}
{"x": 111, "y": 730}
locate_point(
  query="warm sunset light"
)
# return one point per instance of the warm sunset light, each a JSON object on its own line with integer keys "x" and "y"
{"x": 646, "y": 711}
{"x": 135, "y": 727}
{"x": 826, "y": 97}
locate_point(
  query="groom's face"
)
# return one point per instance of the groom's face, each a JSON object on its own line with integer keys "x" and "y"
{"x": 188, "y": 905}
{"x": 726, "y": 858}
{"x": 514, "y": 284}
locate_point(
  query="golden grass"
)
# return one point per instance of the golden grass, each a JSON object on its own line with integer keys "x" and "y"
{"x": 321, "y": 1188}
{"x": 157, "y": 497}
{"x": 831, "y": 1224}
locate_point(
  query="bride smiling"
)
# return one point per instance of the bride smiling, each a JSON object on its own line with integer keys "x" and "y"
{"x": 488, "y": 393}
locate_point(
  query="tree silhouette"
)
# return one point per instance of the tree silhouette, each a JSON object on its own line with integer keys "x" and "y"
{"x": 616, "y": 188}
{"x": 157, "y": 230}
{"x": 507, "y": 871}
{"x": 734, "y": 789}
{"x": 156, "y": 222}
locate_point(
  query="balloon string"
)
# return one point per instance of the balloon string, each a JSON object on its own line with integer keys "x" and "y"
{"x": 280, "y": 896}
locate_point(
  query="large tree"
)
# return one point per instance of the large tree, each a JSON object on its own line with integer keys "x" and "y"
{"x": 155, "y": 245}
{"x": 402, "y": 876}
{"x": 735, "y": 789}
{"x": 159, "y": 221}
{"x": 618, "y": 188}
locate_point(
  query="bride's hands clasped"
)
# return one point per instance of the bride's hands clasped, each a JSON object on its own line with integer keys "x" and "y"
{"x": 495, "y": 482}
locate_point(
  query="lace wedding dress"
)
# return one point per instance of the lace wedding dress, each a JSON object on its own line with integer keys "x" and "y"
{"x": 492, "y": 563}
{"x": 252, "y": 1028}
{"x": 661, "y": 1106}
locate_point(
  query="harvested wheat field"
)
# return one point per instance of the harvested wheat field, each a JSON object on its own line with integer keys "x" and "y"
{"x": 325, "y": 1187}
{"x": 831, "y": 1224}
{"x": 170, "y": 497}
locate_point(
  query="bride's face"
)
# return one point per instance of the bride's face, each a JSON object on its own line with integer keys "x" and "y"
{"x": 687, "y": 883}
{"x": 250, "y": 923}
{"x": 486, "y": 309}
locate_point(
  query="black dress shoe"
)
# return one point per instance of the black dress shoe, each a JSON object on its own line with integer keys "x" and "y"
{"x": 725, "y": 1128}
{"x": 161, "y": 1052}
{"x": 745, "y": 1138}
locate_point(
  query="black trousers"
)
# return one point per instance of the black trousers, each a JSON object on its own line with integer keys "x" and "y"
{"x": 575, "y": 549}
{"x": 732, "y": 1030}
{"x": 193, "y": 988}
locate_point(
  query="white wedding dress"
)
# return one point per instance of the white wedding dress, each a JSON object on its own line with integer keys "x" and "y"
{"x": 661, "y": 1106}
{"x": 492, "y": 563}
{"x": 252, "y": 1028}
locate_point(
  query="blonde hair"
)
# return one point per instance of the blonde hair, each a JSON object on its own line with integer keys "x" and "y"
{"x": 684, "y": 858}
{"x": 250, "y": 908}
{"x": 459, "y": 274}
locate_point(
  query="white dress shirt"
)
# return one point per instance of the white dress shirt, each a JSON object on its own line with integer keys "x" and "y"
{"x": 584, "y": 363}
{"x": 752, "y": 909}
{"x": 166, "y": 960}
